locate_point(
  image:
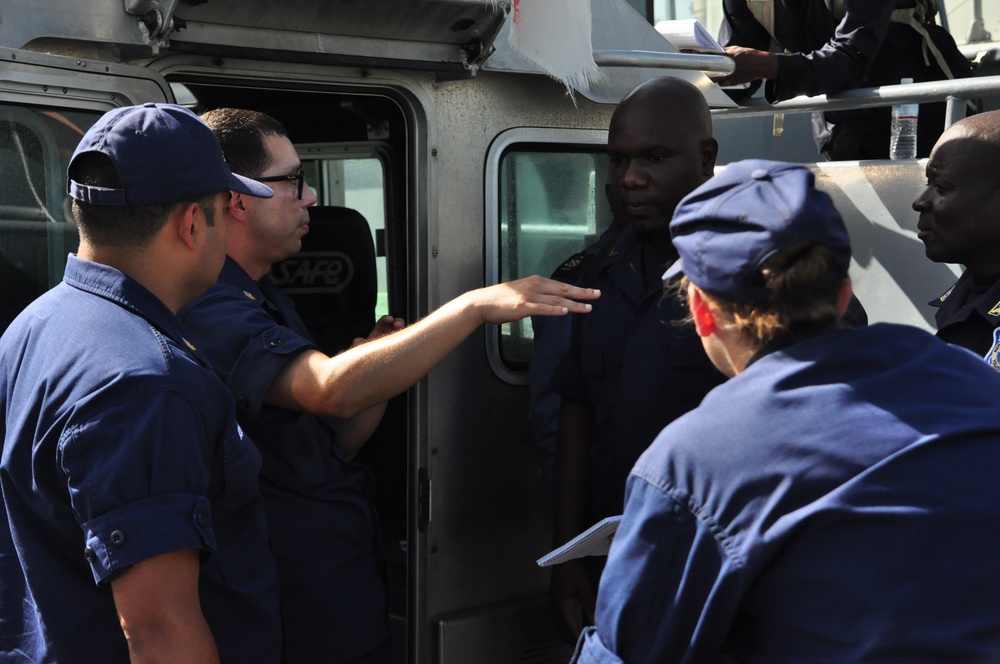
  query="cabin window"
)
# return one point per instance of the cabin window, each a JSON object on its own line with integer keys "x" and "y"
{"x": 549, "y": 204}
{"x": 37, "y": 231}
{"x": 353, "y": 176}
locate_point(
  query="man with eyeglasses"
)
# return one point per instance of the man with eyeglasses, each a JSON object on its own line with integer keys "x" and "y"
{"x": 310, "y": 413}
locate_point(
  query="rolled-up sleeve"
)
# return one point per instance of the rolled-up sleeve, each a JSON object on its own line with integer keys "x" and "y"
{"x": 245, "y": 345}
{"x": 138, "y": 475}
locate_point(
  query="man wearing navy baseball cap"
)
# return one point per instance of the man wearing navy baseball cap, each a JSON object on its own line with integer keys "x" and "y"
{"x": 130, "y": 491}
{"x": 824, "y": 504}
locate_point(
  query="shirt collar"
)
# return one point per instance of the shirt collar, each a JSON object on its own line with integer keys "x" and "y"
{"x": 114, "y": 285}
{"x": 959, "y": 301}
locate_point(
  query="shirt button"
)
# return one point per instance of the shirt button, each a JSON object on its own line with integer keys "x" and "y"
{"x": 88, "y": 553}
{"x": 117, "y": 537}
{"x": 277, "y": 342}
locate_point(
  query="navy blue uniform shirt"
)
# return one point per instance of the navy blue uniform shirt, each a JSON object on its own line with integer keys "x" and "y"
{"x": 835, "y": 502}
{"x": 632, "y": 363}
{"x": 319, "y": 510}
{"x": 119, "y": 446}
{"x": 968, "y": 315}
{"x": 552, "y": 340}
{"x": 826, "y": 55}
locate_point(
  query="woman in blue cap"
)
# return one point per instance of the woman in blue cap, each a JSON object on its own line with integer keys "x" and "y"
{"x": 834, "y": 501}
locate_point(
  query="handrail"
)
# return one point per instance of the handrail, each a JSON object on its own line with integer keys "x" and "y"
{"x": 722, "y": 64}
{"x": 954, "y": 92}
{"x": 972, "y": 49}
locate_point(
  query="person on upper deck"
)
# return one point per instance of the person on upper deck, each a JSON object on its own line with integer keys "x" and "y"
{"x": 825, "y": 47}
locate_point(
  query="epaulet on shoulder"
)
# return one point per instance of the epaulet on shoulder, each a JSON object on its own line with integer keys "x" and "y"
{"x": 572, "y": 267}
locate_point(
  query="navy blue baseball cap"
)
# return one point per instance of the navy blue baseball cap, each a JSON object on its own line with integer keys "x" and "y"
{"x": 727, "y": 229}
{"x": 164, "y": 154}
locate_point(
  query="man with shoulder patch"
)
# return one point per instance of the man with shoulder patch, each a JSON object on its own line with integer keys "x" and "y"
{"x": 826, "y": 47}
{"x": 131, "y": 493}
{"x": 960, "y": 223}
{"x": 552, "y": 338}
{"x": 629, "y": 369}
{"x": 310, "y": 413}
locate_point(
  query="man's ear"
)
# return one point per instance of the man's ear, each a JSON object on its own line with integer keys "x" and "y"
{"x": 704, "y": 319}
{"x": 844, "y": 297}
{"x": 184, "y": 218}
{"x": 237, "y": 206}
{"x": 709, "y": 153}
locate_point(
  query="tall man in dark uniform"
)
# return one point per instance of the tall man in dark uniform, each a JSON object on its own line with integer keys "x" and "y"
{"x": 630, "y": 369}
{"x": 322, "y": 525}
{"x": 960, "y": 223}
{"x": 131, "y": 494}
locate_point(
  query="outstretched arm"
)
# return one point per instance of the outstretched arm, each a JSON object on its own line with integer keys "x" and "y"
{"x": 365, "y": 375}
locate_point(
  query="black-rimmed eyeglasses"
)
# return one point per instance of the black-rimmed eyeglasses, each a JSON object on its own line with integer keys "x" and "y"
{"x": 299, "y": 179}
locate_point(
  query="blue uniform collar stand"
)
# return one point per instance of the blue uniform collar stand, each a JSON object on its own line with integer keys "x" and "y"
{"x": 114, "y": 285}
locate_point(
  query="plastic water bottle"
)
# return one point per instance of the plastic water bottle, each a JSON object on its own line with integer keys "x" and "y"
{"x": 903, "y": 139}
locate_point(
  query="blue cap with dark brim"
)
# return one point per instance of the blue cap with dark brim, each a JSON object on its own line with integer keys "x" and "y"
{"x": 727, "y": 229}
{"x": 163, "y": 154}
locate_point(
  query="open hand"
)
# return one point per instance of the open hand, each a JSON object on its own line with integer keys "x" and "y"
{"x": 531, "y": 296}
{"x": 751, "y": 65}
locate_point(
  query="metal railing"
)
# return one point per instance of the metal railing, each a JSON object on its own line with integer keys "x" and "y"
{"x": 955, "y": 92}
{"x": 722, "y": 64}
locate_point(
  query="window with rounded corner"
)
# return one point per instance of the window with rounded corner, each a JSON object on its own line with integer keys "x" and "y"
{"x": 550, "y": 204}
{"x": 36, "y": 226}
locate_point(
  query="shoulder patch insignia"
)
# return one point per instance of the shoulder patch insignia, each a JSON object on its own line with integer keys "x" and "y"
{"x": 993, "y": 357}
{"x": 995, "y": 311}
{"x": 947, "y": 293}
{"x": 572, "y": 262}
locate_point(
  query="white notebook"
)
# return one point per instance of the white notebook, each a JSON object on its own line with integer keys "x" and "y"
{"x": 688, "y": 34}
{"x": 594, "y": 541}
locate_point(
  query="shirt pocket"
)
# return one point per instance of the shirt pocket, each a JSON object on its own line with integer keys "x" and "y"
{"x": 237, "y": 514}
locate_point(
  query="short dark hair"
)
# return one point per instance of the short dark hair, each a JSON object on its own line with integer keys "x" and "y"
{"x": 120, "y": 225}
{"x": 241, "y": 134}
